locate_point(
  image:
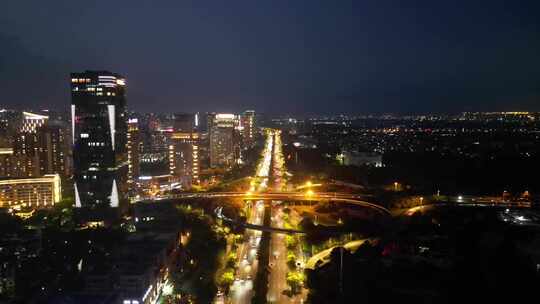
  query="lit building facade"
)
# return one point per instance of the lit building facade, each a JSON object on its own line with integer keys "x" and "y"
{"x": 30, "y": 193}
{"x": 222, "y": 139}
{"x": 39, "y": 147}
{"x": 6, "y": 159}
{"x": 184, "y": 150}
{"x": 28, "y": 148}
{"x": 184, "y": 157}
{"x": 9, "y": 122}
{"x": 32, "y": 122}
{"x": 54, "y": 150}
{"x": 13, "y": 165}
{"x": 248, "y": 128}
{"x": 99, "y": 130}
{"x": 133, "y": 149}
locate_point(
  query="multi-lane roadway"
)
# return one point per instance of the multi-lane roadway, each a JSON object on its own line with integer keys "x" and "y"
{"x": 247, "y": 261}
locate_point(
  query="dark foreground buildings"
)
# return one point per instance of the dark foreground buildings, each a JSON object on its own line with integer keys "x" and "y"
{"x": 99, "y": 130}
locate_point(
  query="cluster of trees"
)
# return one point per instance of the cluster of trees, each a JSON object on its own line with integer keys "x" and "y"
{"x": 195, "y": 276}
{"x": 295, "y": 277}
{"x": 226, "y": 275}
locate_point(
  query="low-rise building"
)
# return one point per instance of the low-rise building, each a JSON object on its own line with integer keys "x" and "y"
{"x": 361, "y": 159}
{"x": 30, "y": 193}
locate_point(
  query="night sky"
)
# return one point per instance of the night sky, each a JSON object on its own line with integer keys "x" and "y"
{"x": 290, "y": 56}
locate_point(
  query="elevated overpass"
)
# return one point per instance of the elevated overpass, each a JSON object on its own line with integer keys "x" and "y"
{"x": 343, "y": 198}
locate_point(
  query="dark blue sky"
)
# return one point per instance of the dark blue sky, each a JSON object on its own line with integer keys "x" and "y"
{"x": 290, "y": 56}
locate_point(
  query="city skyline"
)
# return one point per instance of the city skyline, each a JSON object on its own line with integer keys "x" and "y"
{"x": 287, "y": 152}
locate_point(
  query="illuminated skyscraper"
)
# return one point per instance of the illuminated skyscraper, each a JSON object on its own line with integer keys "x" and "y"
{"x": 222, "y": 139}
{"x": 54, "y": 150}
{"x": 184, "y": 150}
{"x": 99, "y": 130}
{"x": 248, "y": 128}
{"x": 39, "y": 147}
{"x": 27, "y": 144}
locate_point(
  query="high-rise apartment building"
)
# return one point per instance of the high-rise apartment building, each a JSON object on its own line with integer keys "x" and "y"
{"x": 99, "y": 130}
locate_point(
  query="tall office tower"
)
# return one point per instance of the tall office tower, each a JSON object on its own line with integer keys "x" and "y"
{"x": 221, "y": 134}
{"x": 184, "y": 150}
{"x": 28, "y": 146}
{"x": 98, "y": 120}
{"x": 248, "y": 131}
{"x": 133, "y": 149}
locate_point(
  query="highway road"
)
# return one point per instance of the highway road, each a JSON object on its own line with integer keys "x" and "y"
{"x": 247, "y": 262}
{"x": 278, "y": 262}
{"x": 277, "y": 280}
